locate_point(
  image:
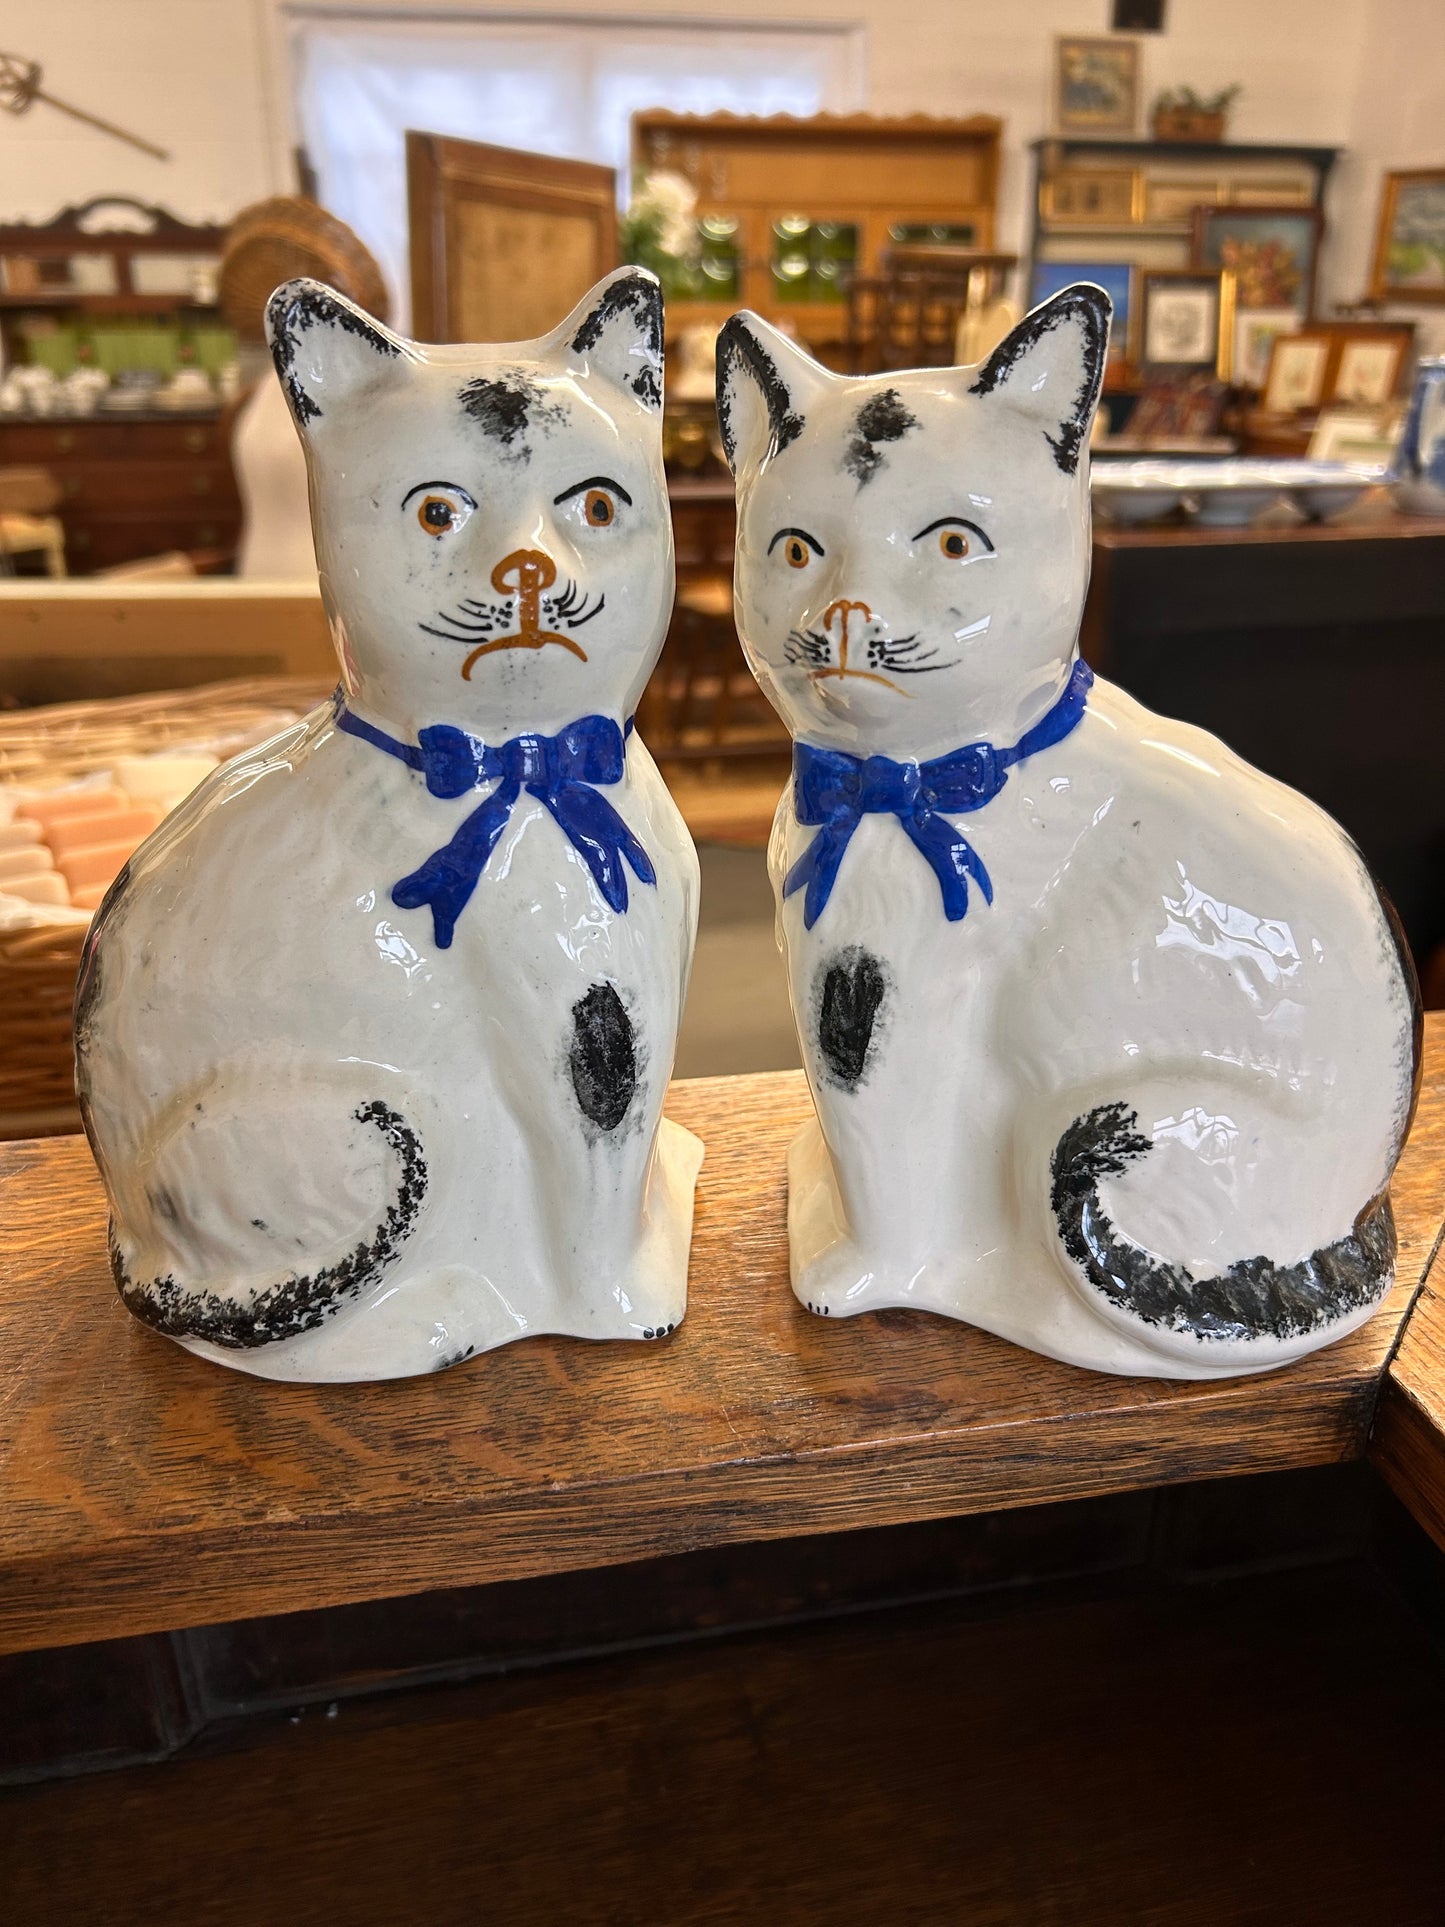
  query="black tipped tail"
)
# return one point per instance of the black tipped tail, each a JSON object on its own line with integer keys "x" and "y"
{"x": 292, "y": 1305}
{"x": 1255, "y": 1298}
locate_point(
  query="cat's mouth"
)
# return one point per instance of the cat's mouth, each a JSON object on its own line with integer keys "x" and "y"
{"x": 849, "y": 644}
{"x": 521, "y": 578}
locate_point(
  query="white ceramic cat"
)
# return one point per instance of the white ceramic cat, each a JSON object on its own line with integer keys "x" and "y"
{"x": 373, "y": 1034}
{"x": 1109, "y": 1035}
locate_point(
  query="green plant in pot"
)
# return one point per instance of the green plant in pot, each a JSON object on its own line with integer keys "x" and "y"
{"x": 659, "y": 231}
{"x": 1180, "y": 114}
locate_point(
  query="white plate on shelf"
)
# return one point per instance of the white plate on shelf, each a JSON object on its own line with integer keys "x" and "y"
{"x": 1228, "y": 494}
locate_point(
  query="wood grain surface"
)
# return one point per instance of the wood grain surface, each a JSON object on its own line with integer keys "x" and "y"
{"x": 1250, "y": 1753}
{"x": 143, "y": 1489}
{"x": 1408, "y": 1441}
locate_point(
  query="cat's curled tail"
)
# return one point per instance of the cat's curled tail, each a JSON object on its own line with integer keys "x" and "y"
{"x": 292, "y": 1304}
{"x": 1253, "y": 1299}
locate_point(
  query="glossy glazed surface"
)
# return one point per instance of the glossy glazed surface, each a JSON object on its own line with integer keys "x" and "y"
{"x": 1129, "y": 1088}
{"x": 374, "y": 1033}
{"x": 1419, "y": 469}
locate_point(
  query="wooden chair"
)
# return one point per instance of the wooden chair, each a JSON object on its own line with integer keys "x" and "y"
{"x": 26, "y": 525}
{"x": 910, "y": 316}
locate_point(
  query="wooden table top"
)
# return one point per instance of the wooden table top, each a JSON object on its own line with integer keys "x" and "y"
{"x": 1408, "y": 1442}
{"x": 144, "y": 1489}
{"x": 1382, "y": 525}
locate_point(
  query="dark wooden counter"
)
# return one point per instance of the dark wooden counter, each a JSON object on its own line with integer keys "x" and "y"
{"x": 144, "y": 1489}
{"x": 1317, "y": 651}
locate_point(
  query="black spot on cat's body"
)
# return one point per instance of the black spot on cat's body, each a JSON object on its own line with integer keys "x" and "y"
{"x": 853, "y": 988}
{"x": 882, "y": 418}
{"x": 294, "y": 1305}
{"x": 603, "y": 1057}
{"x": 1254, "y": 1298}
{"x": 459, "y": 1357}
{"x": 1090, "y": 308}
{"x": 640, "y": 296}
{"x": 737, "y": 347}
{"x": 501, "y": 406}
{"x": 300, "y": 306}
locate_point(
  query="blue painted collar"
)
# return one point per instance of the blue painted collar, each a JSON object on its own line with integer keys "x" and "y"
{"x": 560, "y": 771}
{"x": 837, "y": 791}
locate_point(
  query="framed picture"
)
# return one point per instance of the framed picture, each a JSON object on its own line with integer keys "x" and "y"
{"x": 1356, "y": 435}
{"x": 1298, "y": 368}
{"x": 1116, "y": 278}
{"x": 1091, "y": 197}
{"x": 1410, "y": 243}
{"x": 1370, "y": 362}
{"x": 1176, "y": 200}
{"x": 1185, "y": 321}
{"x": 1270, "y": 251}
{"x": 1096, "y": 85}
{"x": 1254, "y": 335}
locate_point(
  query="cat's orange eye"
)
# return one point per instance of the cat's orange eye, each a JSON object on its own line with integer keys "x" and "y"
{"x": 954, "y": 544}
{"x": 796, "y": 550}
{"x": 436, "y": 514}
{"x": 599, "y": 509}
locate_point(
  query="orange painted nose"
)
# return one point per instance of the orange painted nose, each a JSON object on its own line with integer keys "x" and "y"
{"x": 845, "y": 612}
{"x": 525, "y": 573}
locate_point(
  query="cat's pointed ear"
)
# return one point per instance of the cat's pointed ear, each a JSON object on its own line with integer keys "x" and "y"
{"x": 764, "y": 384}
{"x": 616, "y": 331}
{"x": 327, "y": 350}
{"x": 1051, "y": 367}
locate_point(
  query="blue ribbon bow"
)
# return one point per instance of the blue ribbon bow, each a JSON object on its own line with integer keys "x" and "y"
{"x": 838, "y": 791}
{"x": 558, "y": 770}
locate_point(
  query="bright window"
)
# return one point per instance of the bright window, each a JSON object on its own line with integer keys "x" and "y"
{"x": 557, "y": 85}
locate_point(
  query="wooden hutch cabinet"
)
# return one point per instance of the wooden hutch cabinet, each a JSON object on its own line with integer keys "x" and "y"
{"x": 789, "y": 210}
{"x": 142, "y": 480}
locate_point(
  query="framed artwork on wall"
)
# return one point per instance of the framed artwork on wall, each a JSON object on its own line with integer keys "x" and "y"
{"x": 1270, "y": 251}
{"x": 1185, "y": 321}
{"x": 1116, "y": 278}
{"x": 1096, "y": 85}
{"x": 1410, "y": 241}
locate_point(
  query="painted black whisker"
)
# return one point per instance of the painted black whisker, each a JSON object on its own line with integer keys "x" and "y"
{"x": 576, "y": 622}
{"x": 446, "y": 635}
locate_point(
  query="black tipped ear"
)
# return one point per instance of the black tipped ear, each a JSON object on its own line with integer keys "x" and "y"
{"x": 617, "y": 330}
{"x": 762, "y": 382}
{"x": 325, "y": 348}
{"x": 1052, "y": 367}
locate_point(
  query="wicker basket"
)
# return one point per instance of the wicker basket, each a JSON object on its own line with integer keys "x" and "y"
{"x": 277, "y": 240}
{"x": 42, "y": 748}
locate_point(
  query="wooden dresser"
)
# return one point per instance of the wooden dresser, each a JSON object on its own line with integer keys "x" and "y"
{"x": 131, "y": 290}
{"x": 133, "y": 486}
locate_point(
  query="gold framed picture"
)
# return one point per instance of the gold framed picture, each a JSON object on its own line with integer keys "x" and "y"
{"x": 1410, "y": 242}
{"x": 1186, "y": 321}
{"x": 1096, "y": 84}
{"x": 1091, "y": 197}
{"x": 1298, "y": 373}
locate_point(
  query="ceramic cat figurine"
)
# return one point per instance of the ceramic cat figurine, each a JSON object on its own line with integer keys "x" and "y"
{"x": 373, "y": 1034}
{"x": 1110, "y": 1039}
